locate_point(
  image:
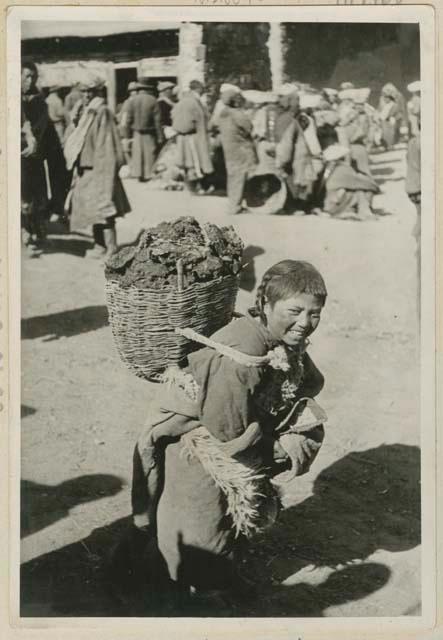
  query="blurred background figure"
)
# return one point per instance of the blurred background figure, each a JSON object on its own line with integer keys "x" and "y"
{"x": 190, "y": 120}
{"x": 44, "y": 180}
{"x": 34, "y": 199}
{"x": 297, "y": 146}
{"x": 125, "y": 130}
{"x": 347, "y": 193}
{"x": 94, "y": 152}
{"x": 143, "y": 120}
{"x": 355, "y": 127}
{"x": 238, "y": 147}
{"x": 393, "y": 117}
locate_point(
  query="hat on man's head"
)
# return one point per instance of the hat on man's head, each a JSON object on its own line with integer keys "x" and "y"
{"x": 226, "y": 86}
{"x": 54, "y": 88}
{"x": 257, "y": 97}
{"x": 132, "y": 86}
{"x": 165, "y": 84}
{"x": 287, "y": 89}
{"x": 361, "y": 95}
{"x": 346, "y": 94}
{"x": 414, "y": 87}
{"x": 145, "y": 83}
{"x": 310, "y": 100}
{"x": 93, "y": 84}
{"x": 347, "y": 85}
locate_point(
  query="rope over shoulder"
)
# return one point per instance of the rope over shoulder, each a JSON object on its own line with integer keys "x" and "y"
{"x": 233, "y": 354}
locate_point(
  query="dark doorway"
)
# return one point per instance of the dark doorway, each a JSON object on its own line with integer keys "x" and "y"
{"x": 122, "y": 78}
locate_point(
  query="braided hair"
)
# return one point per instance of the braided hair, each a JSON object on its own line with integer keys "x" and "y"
{"x": 285, "y": 279}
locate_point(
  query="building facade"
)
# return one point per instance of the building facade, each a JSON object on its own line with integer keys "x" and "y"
{"x": 253, "y": 55}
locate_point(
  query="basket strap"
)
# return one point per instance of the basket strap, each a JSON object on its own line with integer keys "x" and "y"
{"x": 233, "y": 354}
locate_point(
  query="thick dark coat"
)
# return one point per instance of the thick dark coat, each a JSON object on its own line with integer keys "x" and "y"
{"x": 239, "y": 152}
{"x": 143, "y": 119}
{"x": 190, "y": 120}
{"x": 98, "y": 194}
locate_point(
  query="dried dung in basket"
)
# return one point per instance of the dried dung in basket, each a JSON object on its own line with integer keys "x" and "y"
{"x": 179, "y": 274}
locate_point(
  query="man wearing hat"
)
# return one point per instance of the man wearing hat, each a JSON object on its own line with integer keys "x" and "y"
{"x": 123, "y": 116}
{"x": 355, "y": 128}
{"x": 34, "y": 126}
{"x": 393, "y": 115}
{"x": 166, "y": 102}
{"x": 94, "y": 152}
{"x": 190, "y": 120}
{"x": 145, "y": 123}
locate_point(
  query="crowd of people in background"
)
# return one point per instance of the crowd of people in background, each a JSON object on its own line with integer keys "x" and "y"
{"x": 295, "y": 149}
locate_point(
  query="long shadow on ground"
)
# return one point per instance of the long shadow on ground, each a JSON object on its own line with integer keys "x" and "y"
{"x": 64, "y": 323}
{"x": 366, "y": 501}
{"x": 67, "y": 244}
{"x": 41, "y": 505}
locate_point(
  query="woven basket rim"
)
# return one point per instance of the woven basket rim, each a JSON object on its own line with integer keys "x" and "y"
{"x": 171, "y": 289}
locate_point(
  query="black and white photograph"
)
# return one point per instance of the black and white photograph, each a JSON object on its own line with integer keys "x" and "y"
{"x": 225, "y": 299}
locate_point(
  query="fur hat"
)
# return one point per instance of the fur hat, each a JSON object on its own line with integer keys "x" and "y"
{"x": 414, "y": 87}
{"x": 165, "y": 84}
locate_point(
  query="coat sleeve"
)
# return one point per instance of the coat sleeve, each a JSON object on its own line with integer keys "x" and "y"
{"x": 40, "y": 123}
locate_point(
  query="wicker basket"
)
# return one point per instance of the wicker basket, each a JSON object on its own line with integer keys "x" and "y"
{"x": 143, "y": 321}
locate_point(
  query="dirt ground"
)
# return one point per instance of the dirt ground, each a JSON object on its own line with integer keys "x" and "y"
{"x": 348, "y": 541}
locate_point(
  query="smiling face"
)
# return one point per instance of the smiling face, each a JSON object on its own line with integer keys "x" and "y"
{"x": 293, "y": 319}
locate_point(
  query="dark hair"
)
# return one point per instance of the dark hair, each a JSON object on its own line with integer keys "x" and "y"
{"x": 31, "y": 66}
{"x": 285, "y": 279}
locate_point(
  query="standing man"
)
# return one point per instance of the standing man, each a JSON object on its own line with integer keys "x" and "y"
{"x": 190, "y": 120}
{"x": 125, "y": 130}
{"x": 238, "y": 147}
{"x": 37, "y": 133}
{"x": 355, "y": 130}
{"x": 94, "y": 152}
{"x": 144, "y": 120}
